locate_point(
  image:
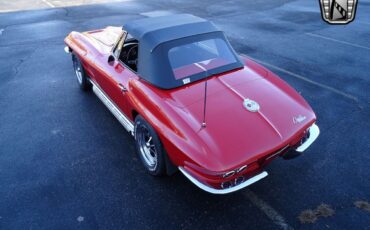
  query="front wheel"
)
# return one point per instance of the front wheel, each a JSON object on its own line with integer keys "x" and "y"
{"x": 82, "y": 79}
{"x": 149, "y": 147}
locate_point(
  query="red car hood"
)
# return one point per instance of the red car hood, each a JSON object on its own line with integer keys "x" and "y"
{"x": 234, "y": 135}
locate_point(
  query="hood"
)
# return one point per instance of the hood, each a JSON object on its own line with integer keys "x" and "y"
{"x": 234, "y": 135}
{"x": 104, "y": 39}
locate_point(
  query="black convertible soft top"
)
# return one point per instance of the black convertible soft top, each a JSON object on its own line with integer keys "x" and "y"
{"x": 155, "y": 30}
{"x": 158, "y": 34}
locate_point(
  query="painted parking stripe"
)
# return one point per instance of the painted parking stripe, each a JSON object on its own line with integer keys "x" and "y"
{"x": 269, "y": 211}
{"x": 157, "y": 13}
{"x": 48, "y": 3}
{"x": 339, "y": 41}
{"x": 334, "y": 90}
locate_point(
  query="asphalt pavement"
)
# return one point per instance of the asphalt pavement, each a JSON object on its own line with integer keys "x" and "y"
{"x": 66, "y": 162}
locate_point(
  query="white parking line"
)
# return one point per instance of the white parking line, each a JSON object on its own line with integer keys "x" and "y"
{"x": 270, "y": 212}
{"x": 48, "y": 3}
{"x": 334, "y": 90}
{"x": 339, "y": 41}
{"x": 157, "y": 13}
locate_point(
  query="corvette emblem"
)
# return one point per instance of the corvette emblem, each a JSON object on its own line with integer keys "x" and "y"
{"x": 338, "y": 11}
{"x": 298, "y": 119}
{"x": 251, "y": 105}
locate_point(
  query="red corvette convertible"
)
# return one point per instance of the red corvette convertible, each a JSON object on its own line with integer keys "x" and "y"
{"x": 191, "y": 102}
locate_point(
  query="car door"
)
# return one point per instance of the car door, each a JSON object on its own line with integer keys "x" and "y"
{"x": 112, "y": 76}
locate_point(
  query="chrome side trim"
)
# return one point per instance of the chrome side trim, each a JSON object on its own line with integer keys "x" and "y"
{"x": 314, "y": 133}
{"x": 223, "y": 191}
{"x": 129, "y": 126}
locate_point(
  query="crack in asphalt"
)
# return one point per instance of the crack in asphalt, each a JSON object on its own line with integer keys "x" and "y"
{"x": 16, "y": 68}
{"x": 23, "y": 60}
{"x": 66, "y": 11}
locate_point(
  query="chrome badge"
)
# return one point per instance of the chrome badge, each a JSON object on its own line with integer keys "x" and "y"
{"x": 251, "y": 105}
{"x": 298, "y": 119}
{"x": 338, "y": 11}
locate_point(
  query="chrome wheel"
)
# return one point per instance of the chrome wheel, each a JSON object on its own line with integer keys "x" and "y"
{"x": 82, "y": 78}
{"x": 78, "y": 70}
{"x": 147, "y": 148}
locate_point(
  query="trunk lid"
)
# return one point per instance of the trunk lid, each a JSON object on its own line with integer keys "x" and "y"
{"x": 233, "y": 134}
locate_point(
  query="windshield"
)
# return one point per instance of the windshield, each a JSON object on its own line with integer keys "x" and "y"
{"x": 197, "y": 57}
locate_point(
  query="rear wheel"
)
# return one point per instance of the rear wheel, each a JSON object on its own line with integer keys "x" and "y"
{"x": 81, "y": 76}
{"x": 149, "y": 147}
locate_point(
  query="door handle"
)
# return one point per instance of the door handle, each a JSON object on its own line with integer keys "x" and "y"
{"x": 122, "y": 87}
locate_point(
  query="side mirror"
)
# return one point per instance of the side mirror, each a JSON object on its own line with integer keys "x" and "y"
{"x": 111, "y": 59}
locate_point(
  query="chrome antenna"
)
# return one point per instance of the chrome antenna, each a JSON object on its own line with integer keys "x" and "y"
{"x": 205, "y": 102}
{"x": 204, "y": 124}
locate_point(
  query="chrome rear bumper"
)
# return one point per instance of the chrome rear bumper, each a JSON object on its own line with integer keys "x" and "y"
{"x": 314, "y": 133}
{"x": 226, "y": 190}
